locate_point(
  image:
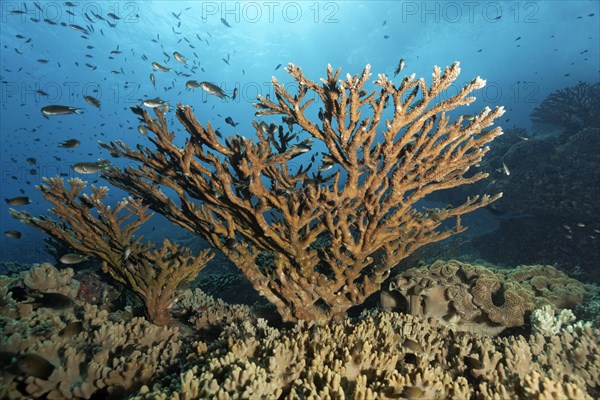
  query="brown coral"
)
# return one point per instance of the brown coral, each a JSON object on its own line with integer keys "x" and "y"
{"x": 247, "y": 200}
{"x": 91, "y": 227}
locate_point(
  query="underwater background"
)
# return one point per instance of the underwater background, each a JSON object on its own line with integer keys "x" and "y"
{"x": 95, "y": 61}
{"x": 525, "y": 51}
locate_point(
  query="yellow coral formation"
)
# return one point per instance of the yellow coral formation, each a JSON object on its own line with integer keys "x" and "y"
{"x": 329, "y": 240}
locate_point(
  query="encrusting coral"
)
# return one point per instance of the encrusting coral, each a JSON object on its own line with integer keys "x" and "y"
{"x": 329, "y": 240}
{"x": 478, "y": 299}
{"x": 93, "y": 228}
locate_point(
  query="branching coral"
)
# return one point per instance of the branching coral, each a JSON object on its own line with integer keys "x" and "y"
{"x": 573, "y": 108}
{"x": 245, "y": 199}
{"x": 386, "y": 356}
{"x": 93, "y": 228}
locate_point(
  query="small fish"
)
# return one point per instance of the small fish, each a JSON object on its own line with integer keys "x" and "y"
{"x": 55, "y": 301}
{"x": 326, "y": 166}
{"x": 213, "y": 89}
{"x": 89, "y": 167}
{"x": 581, "y": 225}
{"x": 229, "y": 121}
{"x": 160, "y": 68}
{"x": 143, "y": 130}
{"x": 70, "y": 144}
{"x": 79, "y": 28}
{"x": 73, "y": 258}
{"x": 73, "y": 329}
{"x": 191, "y": 84}
{"x": 235, "y": 93}
{"x": 155, "y": 102}
{"x": 277, "y": 67}
{"x": 505, "y": 168}
{"x": 413, "y": 346}
{"x": 153, "y": 80}
{"x": 518, "y": 38}
{"x": 18, "y": 201}
{"x": 31, "y": 160}
{"x": 92, "y": 101}
{"x": 126, "y": 253}
{"x": 224, "y": 21}
{"x": 113, "y": 16}
{"x": 400, "y": 67}
{"x": 12, "y": 234}
{"x": 179, "y": 57}
{"x": 386, "y": 36}
{"x": 468, "y": 117}
{"x": 34, "y": 365}
{"x": 60, "y": 110}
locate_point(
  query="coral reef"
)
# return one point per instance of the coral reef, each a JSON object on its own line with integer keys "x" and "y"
{"x": 327, "y": 241}
{"x": 78, "y": 351}
{"x": 385, "y": 356}
{"x": 93, "y": 228}
{"x": 572, "y": 108}
{"x": 473, "y": 298}
{"x": 548, "y": 212}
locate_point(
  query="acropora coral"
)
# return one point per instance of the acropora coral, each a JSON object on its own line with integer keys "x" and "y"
{"x": 328, "y": 240}
{"x": 93, "y": 228}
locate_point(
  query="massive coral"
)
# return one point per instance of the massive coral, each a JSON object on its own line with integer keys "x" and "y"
{"x": 474, "y": 298}
{"x": 89, "y": 226}
{"x": 327, "y": 240}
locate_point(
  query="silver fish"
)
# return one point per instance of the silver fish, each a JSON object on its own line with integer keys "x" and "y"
{"x": 160, "y": 68}
{"x": 153, "y": 80}
{"x": 60, "y": 110}
{"x": 179, "y": 57}
{"x": 155, "y": 102}
{"x": 93, "y": 101}
{"x": 72, "y": 258}
{"x": 213, "y": 89}
{"x": 89, "y": 167}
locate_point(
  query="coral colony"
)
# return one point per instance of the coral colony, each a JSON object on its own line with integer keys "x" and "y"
{"x": 315, "y": 233}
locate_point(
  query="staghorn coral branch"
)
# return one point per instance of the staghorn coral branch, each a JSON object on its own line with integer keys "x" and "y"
{"x": 91, "y": 227}
{"x": 315, "y": 246}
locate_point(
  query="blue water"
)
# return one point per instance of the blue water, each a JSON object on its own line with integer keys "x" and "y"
{"x": 525, "y": 50}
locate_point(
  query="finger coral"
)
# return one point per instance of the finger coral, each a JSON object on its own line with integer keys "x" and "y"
{"x": 90, "y": 227}
{"x": 77, "y": 352}
{"x": 317, "y": 239}
{"x": 386, "y": 356}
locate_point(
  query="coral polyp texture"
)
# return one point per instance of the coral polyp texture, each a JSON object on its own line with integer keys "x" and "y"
{"x": 317, "y": 241}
